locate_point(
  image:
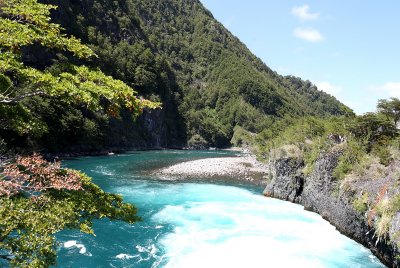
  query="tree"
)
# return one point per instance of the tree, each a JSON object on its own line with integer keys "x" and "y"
{"x": 24, "y": 23}
{"x": 390, "y": 108}
{"x": 372, "y": 129}
{"x": 38, "y": 198}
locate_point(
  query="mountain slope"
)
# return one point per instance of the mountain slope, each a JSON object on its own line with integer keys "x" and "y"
{"x": 176, "y": 52}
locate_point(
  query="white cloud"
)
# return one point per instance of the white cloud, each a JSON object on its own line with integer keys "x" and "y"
{"x": 329, "y": 88}
{"x": 391, "y": 88}
{"x": 303, "y": 13}
{"x": 308, "y": 34}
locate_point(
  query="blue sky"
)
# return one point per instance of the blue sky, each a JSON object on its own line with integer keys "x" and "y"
{"x": 350, "y": 49}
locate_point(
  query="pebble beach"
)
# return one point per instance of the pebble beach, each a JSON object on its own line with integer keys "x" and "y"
{"x": 240, "y": 167}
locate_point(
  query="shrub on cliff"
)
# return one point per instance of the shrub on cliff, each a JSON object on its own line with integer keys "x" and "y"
{"x": 361, "y": 203}
{"x": 373, "y": 134}
{"x": 352, "y": 154}
{"x": 309, "y": 134}
{"x": 385, "y": 210}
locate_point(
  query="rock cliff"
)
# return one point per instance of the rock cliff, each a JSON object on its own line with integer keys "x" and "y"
{"x": 334, "y": 200}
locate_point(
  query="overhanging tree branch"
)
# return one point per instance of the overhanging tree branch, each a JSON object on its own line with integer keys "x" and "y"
{"x": 18, "y": 99}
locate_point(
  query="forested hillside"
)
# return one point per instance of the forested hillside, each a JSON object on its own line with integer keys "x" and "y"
{"x": 171, "y": 51}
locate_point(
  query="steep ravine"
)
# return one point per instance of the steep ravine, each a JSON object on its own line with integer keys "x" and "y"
{"x": 333, "y": 200}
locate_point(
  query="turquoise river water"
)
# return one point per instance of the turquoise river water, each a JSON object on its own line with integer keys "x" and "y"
{"x": 200, "y": 224}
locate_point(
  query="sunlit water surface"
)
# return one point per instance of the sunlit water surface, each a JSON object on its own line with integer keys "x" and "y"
{"x": 198, "y": 224}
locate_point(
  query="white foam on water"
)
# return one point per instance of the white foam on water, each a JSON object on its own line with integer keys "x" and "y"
{"x": 70, "y": 244}
{"x": 104, "y": 170}
{"x": 140, "y": 249}
{"x": 151, "y": 251}
{"x": 75, "y": 244}
{"x": 124, "y": 256}
{"x": 251, "y": 231}
{"x": 241, "y": 252}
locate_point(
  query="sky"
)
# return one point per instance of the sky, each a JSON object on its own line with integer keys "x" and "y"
{"x": 348, "y": 48}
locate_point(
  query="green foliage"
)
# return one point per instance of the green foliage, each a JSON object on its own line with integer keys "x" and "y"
{"x": 390, "y": 108}
{"x": 366, "y": 137}
{"x": 371, "y": 129}
{"x": 286, "y": 151}
{"x": 314, "y": 149}
{"x": 352, "y": 155}
{"x": 386, "y": 209}
{"x": 382, "y": 151}
{"x": 31, "y": 91}
{"x": 197, "y": 142}
{"x": 361, "y": 203}
{"x": 242, "y": 137}
{"x": 308, "y": 133}
{"x": 27, "y": 90}
{"x": 260, "y": 96}
{"x": 5, "y": 83}
{"x": 28, "y": 240}
{"x": 320, "y": 102}
{"x": 177, "y": 50}
{"x": 375, "y": 133}
{"x": 26, "y": 23}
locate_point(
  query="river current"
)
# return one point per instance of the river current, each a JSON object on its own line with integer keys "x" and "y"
{"x": 199, "y": 223}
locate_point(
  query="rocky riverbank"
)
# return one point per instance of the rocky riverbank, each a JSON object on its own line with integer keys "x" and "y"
{"x": 353, "y": 206}
{"x": 244, "y": 168}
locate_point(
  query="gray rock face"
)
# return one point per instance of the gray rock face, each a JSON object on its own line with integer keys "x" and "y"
{"x": 149, "y": 131}
{"x": 155, "y": 128}
{"x": 322, "y": 193}
{"x": 394, "y": 229}
{"x": 287, "y": 183}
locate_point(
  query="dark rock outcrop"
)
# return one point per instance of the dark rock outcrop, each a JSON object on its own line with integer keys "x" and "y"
{"x": 287, "y": 183}
{"x": 149, "y": 131}
{"x": 320, "y": 192}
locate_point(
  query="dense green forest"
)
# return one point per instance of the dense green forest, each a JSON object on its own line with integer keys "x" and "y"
{"x": 169, "y": 51}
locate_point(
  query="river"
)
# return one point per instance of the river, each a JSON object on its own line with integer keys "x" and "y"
{"x": 199, "y": 223}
